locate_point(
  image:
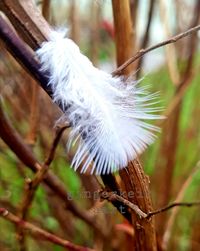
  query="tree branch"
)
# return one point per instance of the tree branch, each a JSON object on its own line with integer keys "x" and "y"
{"x": 171, "y": 220}
{"x": 32, "y": 185}
{"x": 10, "y": 136}
{"x": 111, "y": 196}
{"x": 170, "y": 206}
{"x": 43, "y": 234}
{"x": 112, "y": 186}
{"x": 133, "y": 175}
{"x": 23, "y": 54}
{"x": 141, "y": 52}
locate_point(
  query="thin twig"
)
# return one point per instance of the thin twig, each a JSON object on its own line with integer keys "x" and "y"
{"x": 54, "y": 145}
{"x": 175, "y": 204}
{"x": 179, "y": 197}
{"x": 145, "y": 39}
{"x": 111, "y": 185}
{"x": 34, "y": 114}
{"x": 41, "y": 233}
{"x": 111, "y": 196}
{"x": 177, "y": 98}
{"x": 170, "y": 51}
{"x": 32, "y": 185}
{"x": 141, "y": 52}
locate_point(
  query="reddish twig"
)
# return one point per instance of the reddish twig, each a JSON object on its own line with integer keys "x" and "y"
{"x": 41, "y": 233}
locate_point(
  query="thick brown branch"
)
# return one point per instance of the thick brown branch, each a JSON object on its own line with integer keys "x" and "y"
{"x": 133, "y": 175}
{"x": 26, "y": 18}
{"x": 146, "y": 35}
{"x": 22, "y": 54}
{"x": 123, "y": 33}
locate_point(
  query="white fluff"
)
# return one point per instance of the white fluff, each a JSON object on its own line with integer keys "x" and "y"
{"x": 106, "y": 113}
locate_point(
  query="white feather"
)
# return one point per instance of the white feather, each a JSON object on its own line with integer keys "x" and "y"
{"x": 107, "y": 113}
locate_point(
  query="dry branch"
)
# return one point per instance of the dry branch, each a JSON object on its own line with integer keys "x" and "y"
{"x": 133, "y": 176}
{"x": 111, "y": 196}
{"x": 32, "y": 185}
{"x": 142, "y": 52}
{"x": 145, "y": 39}
{"x": 24, "y": 153}
{"x": 123, "y": 33}
{"x": 170, "y": 206}
{"x": 179, "y": 197}
{"x": 54, "y": 145}
{"x": 22, "y": 54}
{"x": 34, "y": 114}
{"x": 112, "y": 186}
{"x": 40, "y": 233}
{"x": 170, "y": 51}
{"x": 27, "y": 20}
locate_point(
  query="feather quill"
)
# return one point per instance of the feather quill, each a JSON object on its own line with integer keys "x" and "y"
{"x": 107, "y": 113}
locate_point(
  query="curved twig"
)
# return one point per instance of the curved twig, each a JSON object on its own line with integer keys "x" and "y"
{"x": 141, "y": 52}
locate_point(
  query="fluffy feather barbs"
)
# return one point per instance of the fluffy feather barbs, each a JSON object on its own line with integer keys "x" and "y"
{"x": 107, "y": 114}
